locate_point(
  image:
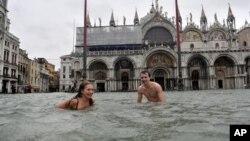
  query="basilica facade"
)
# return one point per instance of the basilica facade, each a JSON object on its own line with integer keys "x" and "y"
{"x": 213, "y": 56}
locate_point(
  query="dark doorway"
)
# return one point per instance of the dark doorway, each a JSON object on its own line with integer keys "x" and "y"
{"x": 100, "y": 87}
{"x": 4, "y": 87}
{"x": 160, "y": 80}
{"x": 124, "y": 86}
{"x": 195, "y": 85}
{"x": 195, "y": 79}
{"x": 220, "y": 84}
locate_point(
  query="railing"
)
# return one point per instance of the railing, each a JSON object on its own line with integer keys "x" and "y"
{"x": 114, "y": 52}
{"x": 214, "y": 49}
{"x": 148, "y": 48}
{"x": 9, "y": 76}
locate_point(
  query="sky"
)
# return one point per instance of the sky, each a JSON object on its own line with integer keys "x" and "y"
{"x": 45, "y": 28}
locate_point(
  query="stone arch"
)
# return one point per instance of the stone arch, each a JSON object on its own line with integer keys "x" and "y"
{"x": 192, "y": 35}
{"x": 124, "y": 73}
{"x": 198, "y": 62}
{"x": 126, "y": 58}
{"x": 158, "y": 35}
{"x": 160, "y": 58}
{"x": 160, "y": 75}
{"x": 98, "y": 70}
{"x": 217, "y": 34}
{"x": 158, "y": 21}
{"x": 230, "y": 57}
{"x": 96, "y": 60}
{"x": 162, "y": 62}
{"x": 224, "y": 68}
{"x": 197, "y": 68}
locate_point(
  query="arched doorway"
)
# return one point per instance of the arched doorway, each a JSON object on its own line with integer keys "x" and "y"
{"x": 124, "y": 73}
{"x": 198, "y": 72}
{"x": 225, "y": 72}
{"x": 160, "y": 76}
{"x": 220, "y": 79}
{"x": 98, "y": 72}
{"x": 162, "y": 65}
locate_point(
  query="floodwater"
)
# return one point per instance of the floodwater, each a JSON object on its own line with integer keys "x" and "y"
{"x": 186, "y": 116}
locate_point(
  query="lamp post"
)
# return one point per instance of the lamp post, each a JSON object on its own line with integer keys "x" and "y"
{"x": 85, "y": 42}
{"x": 180, "y": 85}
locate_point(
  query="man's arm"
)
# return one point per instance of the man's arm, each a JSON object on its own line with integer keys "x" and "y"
{"x": 139, "y": 97}
{"x": 160, "y": 93}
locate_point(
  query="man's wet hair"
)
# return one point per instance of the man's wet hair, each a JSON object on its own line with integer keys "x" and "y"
{"x": 146, "y": 72}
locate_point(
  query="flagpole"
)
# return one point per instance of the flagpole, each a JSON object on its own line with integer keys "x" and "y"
{"x": 180, "y": 85}
{"x": 85, "y": 42}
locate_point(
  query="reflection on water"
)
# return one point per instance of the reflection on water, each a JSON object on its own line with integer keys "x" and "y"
{"x": 189, "y": 115}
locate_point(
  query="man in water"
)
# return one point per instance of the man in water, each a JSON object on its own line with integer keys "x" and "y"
{"x": 151, "y": 90}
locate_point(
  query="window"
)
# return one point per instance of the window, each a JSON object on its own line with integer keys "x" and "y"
{"x": 6, "y": 55}
{"x": 13, "y": 73}
{"x": 217, "y": 45}
{"x": 191, "y": 46}
{"x": 244, "y": 43}
{"x": 64, "y": 69}
{"x": 5, "y": 71}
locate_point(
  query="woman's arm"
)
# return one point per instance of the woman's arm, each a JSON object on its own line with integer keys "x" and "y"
{"x": 66, "y": 104}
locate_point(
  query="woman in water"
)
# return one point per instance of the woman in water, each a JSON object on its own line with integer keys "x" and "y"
{"x": 82, "y": 100}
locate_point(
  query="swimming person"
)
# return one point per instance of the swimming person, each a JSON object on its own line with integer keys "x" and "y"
{"x": 151, "y": 90}
{"x": 82, "y": 100}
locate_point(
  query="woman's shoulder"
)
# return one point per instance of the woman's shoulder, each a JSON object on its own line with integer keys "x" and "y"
{"x": 73, "y": 103}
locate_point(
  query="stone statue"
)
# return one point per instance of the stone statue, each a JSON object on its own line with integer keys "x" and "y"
{"x": 100, "y": 21}
{"x": 124, "y": 20}
{"x": 166, "y": 14}
{"x": 215, "y": 18}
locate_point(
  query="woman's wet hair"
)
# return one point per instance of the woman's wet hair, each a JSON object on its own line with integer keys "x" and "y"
{"x": 82, "y": 87}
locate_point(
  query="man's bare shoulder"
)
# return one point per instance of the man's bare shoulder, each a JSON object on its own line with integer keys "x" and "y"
{"x": 155, "y": 84}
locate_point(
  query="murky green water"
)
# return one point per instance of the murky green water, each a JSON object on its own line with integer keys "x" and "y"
{"x": 186, "y": 116}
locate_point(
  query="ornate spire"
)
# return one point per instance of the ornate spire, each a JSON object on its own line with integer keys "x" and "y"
{"x": 230, "y": 13}
{"x": 215, "y": 18}
{"x": 203, "y": 20}
{"x": 136, "y": 19}
{"x": 230, "y": 19}
{"x": 112, "y": 21}
{"x": 124, "y": 20}
{"x": 100, "y": 21}
{"x": 203, "y": 16}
